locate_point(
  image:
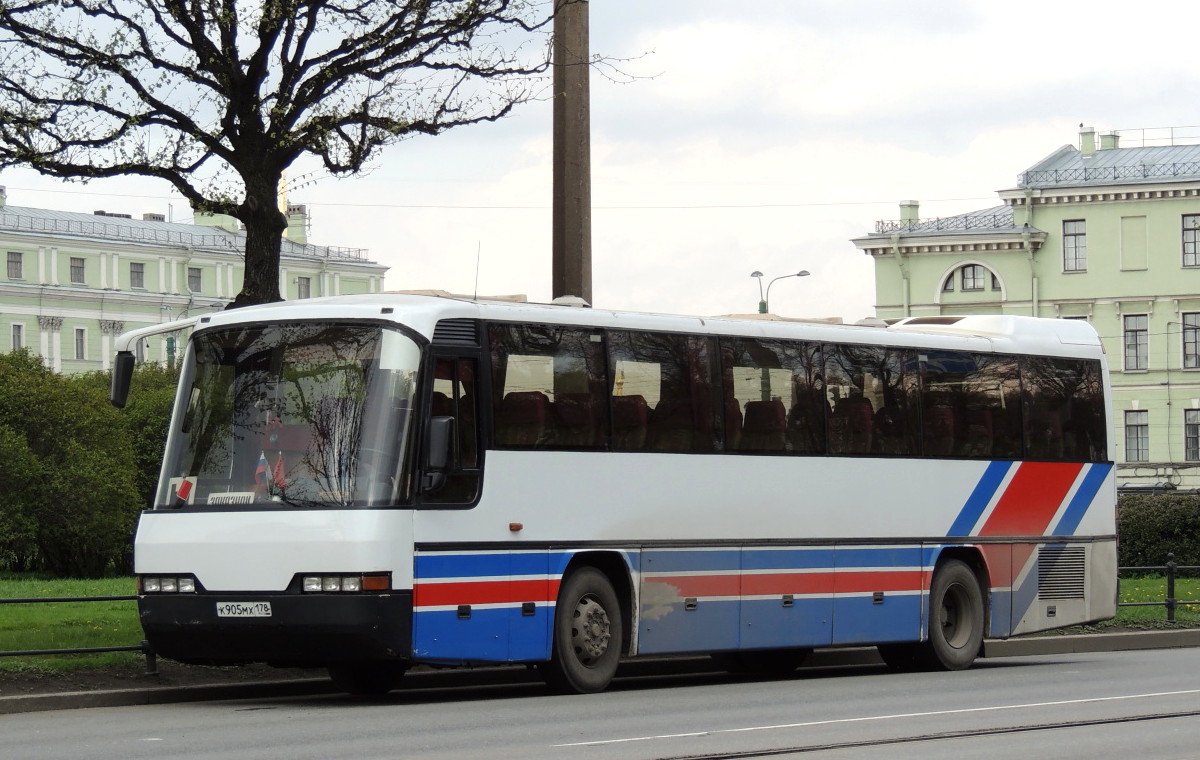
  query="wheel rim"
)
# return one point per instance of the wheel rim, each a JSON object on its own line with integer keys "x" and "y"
{"x": 957, "y": 619}
{"x": 590, "y": 630}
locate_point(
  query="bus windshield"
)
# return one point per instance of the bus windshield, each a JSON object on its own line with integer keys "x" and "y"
{"x": 301, "y": 415}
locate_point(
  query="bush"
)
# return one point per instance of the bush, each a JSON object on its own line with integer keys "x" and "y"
{"x": 1152, "y": 526}
{"x": 69, "y": 498}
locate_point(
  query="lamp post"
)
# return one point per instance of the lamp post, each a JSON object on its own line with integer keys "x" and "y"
{"x": 763, "y": 298}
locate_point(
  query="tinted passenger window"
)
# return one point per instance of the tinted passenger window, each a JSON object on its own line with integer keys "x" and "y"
{"x": 1064, "y": 409}
{"x": 548, "y": 387}
{"x": 970, "y": 405}
{"x": 872, "y": 392}
{"x": 662, "y": 392}
{"x": 774, "y": 396}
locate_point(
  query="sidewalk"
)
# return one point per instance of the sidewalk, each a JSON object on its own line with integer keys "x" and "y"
{"x": 149, "y": 694}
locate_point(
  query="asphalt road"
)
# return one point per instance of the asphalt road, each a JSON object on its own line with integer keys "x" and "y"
{"x": 1091, "y": 705}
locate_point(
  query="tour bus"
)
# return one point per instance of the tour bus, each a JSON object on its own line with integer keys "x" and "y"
{"x": 368, "y": 483}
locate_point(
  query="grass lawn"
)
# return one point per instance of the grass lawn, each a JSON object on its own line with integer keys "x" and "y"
{"x": 67, "y": 625}
{"x": 71, "y": 625}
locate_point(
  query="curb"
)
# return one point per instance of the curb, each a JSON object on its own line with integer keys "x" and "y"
{"x": 430, "y": 679}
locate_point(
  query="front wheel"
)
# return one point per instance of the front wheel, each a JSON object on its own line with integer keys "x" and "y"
{"x": 588, "y": 631}
{"x": 955, "y": 618}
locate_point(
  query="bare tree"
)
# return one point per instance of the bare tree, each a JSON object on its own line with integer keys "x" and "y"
{"x": 220, "y": 97}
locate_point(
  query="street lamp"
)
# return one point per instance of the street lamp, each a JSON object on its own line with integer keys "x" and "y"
{"x": 763, "y": 298}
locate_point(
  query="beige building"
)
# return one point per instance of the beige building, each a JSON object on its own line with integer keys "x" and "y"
{"x": 74, "y": 281}
{"x": 1108, "y": 231}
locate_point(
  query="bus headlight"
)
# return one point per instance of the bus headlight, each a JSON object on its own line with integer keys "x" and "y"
{"x": 345, "y": 583}
{"x": 167, "y": 584}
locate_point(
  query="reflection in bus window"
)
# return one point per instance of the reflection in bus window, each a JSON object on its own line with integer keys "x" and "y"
{"x": 674, "y": 378}
{"x": 872, "y": 391}
{"x": 774, "y": 400}
{"x": 1063, "y": 409}
{"x": 548, "y": 387}
{"x": 970, "y": 405}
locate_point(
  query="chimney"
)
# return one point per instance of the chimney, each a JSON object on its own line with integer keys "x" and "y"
{"x": 909, "y": 213}
{"x": 3, "y": 196}
{"x": 1110, "y": 141}
{"x": 1087, "y": 140}
{"x": 298, "y": 222}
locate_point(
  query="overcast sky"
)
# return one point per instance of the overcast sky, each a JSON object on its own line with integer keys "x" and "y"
{"x": 756, "y": 136}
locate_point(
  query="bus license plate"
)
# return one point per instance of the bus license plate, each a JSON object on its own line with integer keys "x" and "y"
{"x": 244, "y": 609}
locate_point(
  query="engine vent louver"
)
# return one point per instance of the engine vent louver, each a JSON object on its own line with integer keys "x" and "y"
{"x": 1062, "y": 572}
{"x": 457, "y": 332}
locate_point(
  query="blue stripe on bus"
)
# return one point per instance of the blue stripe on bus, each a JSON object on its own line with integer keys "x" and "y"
{"x": 787, "y": 559}
{"x": 985, "y": 489}
{"x": 669, "y": 561}
{"x": 487, "y": 564}
{"x": 1083, "y": 499}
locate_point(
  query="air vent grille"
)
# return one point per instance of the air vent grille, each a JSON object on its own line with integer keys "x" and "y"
{"x": 457, "y": 332}
{"x": 1062, "y": 572}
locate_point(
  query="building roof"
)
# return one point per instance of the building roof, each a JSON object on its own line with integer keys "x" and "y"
{"x": 27, "y": 220}
{"x": 993, "y": 219}
{"x": 1068, "y": 167}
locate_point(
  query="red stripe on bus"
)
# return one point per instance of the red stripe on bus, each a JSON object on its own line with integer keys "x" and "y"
{"x": 770, "y": 584}
{"x": 1031, "y": 499}
{"x": 484, "y": 592}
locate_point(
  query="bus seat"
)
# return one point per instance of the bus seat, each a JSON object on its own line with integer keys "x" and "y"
{"x": 765, "y": 428}
{"x": 978, "y": 435}
{"x": 939, "y": 430}
{"x": 441, "y": 406}
{"x": 629, "y": 416}
{"x": 577, "y": 421}
{"x": 733, "y": 424}
{"x": 671, "y": 427}
{"x": 522, "y": 419}
{"x": 853, "y": 426}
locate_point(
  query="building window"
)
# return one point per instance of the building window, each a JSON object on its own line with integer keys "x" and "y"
{"x": 1074, "y": 246}
{"x": 1137, "y": 342}
{"x": 1137, "y": 436}
{"x": 948, "y": 285}
{"x": 1191, "y": 341}
{"x": 1191, "y": 240}
{"x": 16, "y": 270}
{"x": 303, "y": 287}
{"x": 194, "y": 280}
{"x": 995, "y": 282}
{"x": 1191, "y": 434}
{"x": 18, "y": 337}
{"x": 80, "y": 343}
{"x": 76, "y": 271}
{"x": 972, "y": 277}
{"x": 137, "y": 275}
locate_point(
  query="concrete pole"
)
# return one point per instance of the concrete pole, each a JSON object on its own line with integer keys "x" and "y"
{"x": 572, "y": 224}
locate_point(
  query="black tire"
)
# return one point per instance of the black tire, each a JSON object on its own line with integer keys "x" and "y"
{"x": 367, "y": 679}
{"x": 587, "y": 634}
{"x": 956, "y": 617}
{"x": 763, "y": 662}
{"x": 902, "y": 658}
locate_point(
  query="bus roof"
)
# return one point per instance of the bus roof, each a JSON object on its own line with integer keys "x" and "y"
{"x": 421, "y": 313}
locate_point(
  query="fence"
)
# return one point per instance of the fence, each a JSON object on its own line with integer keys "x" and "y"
{"x": 1170, "y": 570}
{"x": 144, "y": 647}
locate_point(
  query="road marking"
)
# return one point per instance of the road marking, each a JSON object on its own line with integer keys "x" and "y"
{"x": 866, "y": 719}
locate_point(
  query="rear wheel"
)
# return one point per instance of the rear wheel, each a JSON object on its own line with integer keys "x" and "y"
{"x": 367, "y": 679}
{"x": 955, "y": 618}
{"x": 588, "y": 631}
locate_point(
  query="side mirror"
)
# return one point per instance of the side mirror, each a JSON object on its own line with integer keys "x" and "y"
{"x": 439, "y": 447}
{"x": 121, "y": 378}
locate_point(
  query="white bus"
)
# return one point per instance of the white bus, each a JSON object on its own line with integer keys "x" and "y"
{"x": 367, "y": 483}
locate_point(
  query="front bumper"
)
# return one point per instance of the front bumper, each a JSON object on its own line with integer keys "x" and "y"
{"x": 302, "y": 630}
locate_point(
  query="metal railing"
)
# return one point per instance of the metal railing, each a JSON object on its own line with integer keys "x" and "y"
{"x": 947, "y": 224}
{"x": 144, "y": 647}
{"x": 1169, "y": 601}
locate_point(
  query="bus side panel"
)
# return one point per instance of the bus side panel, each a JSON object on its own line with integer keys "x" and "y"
{"x": 787, "y": 597}
{"x": 491, "y": 606}
{"x": 878, "y": 594}
{"x": 690, "y": 600}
